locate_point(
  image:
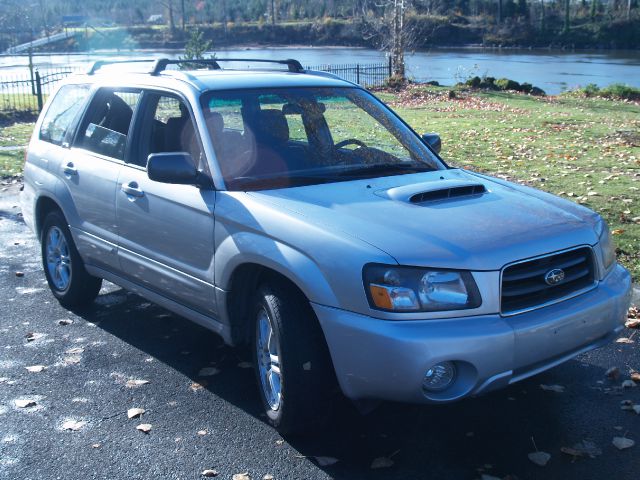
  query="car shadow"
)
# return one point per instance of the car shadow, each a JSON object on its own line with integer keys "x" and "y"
{"x": 491, "y": 434}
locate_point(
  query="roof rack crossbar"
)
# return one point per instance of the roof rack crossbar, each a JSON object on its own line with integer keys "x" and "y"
{"x": 97, "y": 65}
{"x": 293, "y": 65}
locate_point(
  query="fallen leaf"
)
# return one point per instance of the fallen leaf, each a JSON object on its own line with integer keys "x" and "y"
{"x": 326, "y": 461}
{"x": 633, "y": 323}
{"x": 245, "y": 365}
{"x": 136, "y": 383}
{"x": 381, "y": 462}
{"x": 624, "y": 340}
{"x": 135, "y": 412}
{"x": 36, "y": 368}
{"x": 208, "y": 371}
{"x": 268, "y": 476}
{"x": 71, "y": 359}
{"x": 571, "y": 451}
{"x": 552, "y": 388}
{"x": 65, "y": 321}
{"x": 636, "y": 408}
{"x": 241, "y": 476}
{"x": 209, "y": 473}
{"x": 144, "y": 427}
{"x": 635, "y": 376}
{"x": 279, "y": 442}
{"x": 195, "y": 386}
{"x": 201, "y": 432}
{"x": 95, "y": 445}
{"x": 539, "y": 458}
{"x": 628, "y": 384}
{"x": 587, "y": 448}
{"x": 622, "y": 443}
{"x": 25, "y": 403}
{"x": 73, "y": 425}
{"x": 613, "y": 373}
{"x": 75, "y": 351}
{"x": 617, "y": 231}
{"x": 626, "y": 405}
{"x": 19, "y": 274}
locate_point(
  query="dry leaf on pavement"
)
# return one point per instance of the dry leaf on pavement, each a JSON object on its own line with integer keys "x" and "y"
{"x": 268, "y": 476}
{"x": 195, "y": 386}
{"x": 25, "y": 403}
{"x": 635, "y": 376}
{"x": 552, "y": 388}
{"x": 64, "y": 322}
{"x": 539, "y": 458}
{"x": 624, "y": 340}
{"x": 201, "y": 432}
{"x": 73, "y": 425}
{"x": 75, "y": 351}
{"x": 209, "y": 473}
{"x": 135, "y": 383}
{"x": 241, "y": 476}
{"x": 208, "y": 371}
{"x": 325, "y": 461}
{"x": 628, "y": 384}
{"x": 622, "y": 443}
{"x": 135, "y": 412}
{"x": 36, "y": 368}
{"x": 144, "y": 427}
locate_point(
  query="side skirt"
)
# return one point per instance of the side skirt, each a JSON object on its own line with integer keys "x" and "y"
{"x": 203, "y": 320}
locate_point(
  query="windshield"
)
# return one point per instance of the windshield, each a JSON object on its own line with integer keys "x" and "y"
{"x": 278, "y": 138}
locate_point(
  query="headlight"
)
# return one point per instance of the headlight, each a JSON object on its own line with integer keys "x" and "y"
{"x": 607, "y": 248}
{"x": 409, "y": 289}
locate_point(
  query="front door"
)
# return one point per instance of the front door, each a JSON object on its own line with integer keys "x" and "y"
{"x": 166, "y": 239}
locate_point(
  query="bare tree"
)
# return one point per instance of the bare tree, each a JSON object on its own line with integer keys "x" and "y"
{"x": 398, "y": 38}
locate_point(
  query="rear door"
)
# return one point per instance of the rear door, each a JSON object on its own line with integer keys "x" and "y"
{"x": 90, "y": 172}
{"x": 166, "y": 231}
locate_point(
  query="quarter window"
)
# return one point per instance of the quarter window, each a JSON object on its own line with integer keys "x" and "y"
{"x": 62, "y": 113}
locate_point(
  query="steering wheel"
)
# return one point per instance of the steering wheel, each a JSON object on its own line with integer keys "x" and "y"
{"x": 350, "y": 141}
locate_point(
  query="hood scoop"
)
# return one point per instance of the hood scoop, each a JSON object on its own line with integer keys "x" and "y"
{"x": 434, "y": 191}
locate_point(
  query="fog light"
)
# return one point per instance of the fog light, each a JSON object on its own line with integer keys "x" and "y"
{"x": 439, "y": 377}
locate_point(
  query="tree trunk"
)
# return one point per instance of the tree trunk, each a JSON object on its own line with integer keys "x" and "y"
{"x": 397, "y": 39}
{"x": 499, "y": 11}
{"x": 567, "y": 13}
{"x": 224, "y": 16}
{"x": 273, "y": 12}
{"x": 183, "y": 18}
{"x": 628, "y": 9}
{"x": 172, "y": 24}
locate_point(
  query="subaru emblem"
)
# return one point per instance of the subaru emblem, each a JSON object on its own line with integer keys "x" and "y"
{"x": 554, "y": 277}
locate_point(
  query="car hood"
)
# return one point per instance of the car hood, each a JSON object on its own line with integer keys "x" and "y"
{"x": 495, "y": 223}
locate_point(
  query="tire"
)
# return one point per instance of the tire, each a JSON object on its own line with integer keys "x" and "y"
{"x": 68, "y": 280}
{"x": 284, "y": 325}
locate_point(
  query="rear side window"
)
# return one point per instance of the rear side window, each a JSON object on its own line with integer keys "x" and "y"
{"x": 106, "y": 124}
{"x": 62, "y": 113}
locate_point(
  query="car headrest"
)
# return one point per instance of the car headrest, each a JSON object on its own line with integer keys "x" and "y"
{"x": 215, "y": 122}
{"x": 272, "y": 126}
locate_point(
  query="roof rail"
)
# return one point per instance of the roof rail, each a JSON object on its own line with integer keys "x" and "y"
{"x": 97, "y": 65}
{"x": 161, "y": 64}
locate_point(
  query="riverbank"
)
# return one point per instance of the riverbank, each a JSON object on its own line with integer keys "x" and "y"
{"x": 427, "y": 31}
{"x": 586, "y": 150}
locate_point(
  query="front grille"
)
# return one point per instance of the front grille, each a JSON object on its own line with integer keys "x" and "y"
{"x": 524, "y": 286}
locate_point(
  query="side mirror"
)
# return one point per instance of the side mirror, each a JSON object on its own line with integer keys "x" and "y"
{"x": 174, "y": 167}
{"x": 433, "y": 140}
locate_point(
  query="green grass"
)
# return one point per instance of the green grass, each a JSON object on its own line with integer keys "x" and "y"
{"x": 584, "y": 149}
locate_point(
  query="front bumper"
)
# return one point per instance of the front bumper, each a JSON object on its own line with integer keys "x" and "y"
{"x": 386, "y": 360}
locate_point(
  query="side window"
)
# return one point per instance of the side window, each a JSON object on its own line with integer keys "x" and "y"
{"x": 171, "y": 129}
{"x": 106, "y": 124}
{"x": 62, "y": 113}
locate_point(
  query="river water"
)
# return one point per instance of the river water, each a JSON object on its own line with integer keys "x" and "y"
{"x": 553, "y": 71}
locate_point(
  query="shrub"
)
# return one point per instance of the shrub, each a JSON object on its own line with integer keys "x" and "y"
{"x": 507, "y": 84}
{"x": 620, "y": 91}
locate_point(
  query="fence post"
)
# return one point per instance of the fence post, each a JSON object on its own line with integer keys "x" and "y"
{"x": 39, "y": 90}
{"x": 390, "y": 67}
{"x": 358, "y": 73}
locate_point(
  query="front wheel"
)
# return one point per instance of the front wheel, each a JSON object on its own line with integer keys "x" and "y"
{"x": 293, "y": 368}
{"x": 67, "y": 278}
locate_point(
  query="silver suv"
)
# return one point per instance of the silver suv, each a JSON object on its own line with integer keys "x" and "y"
{"x": 294, "y": 212}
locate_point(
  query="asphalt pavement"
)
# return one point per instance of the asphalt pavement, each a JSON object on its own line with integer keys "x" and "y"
{"x": 125, "y": 352}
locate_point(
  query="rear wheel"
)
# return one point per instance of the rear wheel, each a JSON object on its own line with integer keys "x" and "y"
{"x": 292, "y": 363}
{"x": 67, "y": 278}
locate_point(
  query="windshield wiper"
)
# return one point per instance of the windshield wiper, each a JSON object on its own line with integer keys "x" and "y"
{"x": 377, "y": 168}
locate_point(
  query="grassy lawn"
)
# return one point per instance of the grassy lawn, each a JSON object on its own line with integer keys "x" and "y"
{"x": 586, "y": 150}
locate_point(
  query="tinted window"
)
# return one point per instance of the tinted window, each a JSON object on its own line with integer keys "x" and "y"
{"x": 106, "y": 125}
{"x": 62, "y": 113}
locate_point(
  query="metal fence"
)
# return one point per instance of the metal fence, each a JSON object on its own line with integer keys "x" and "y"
{"x": 27, "y": 93}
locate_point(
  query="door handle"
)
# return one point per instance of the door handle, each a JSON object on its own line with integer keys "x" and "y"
{"x": 132, "y": 189}
{"x": 70, "y": 169}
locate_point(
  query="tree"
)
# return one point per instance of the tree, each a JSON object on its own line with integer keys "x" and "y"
{"x": 195, "y": 49}
{"x": 567, "y": 13}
